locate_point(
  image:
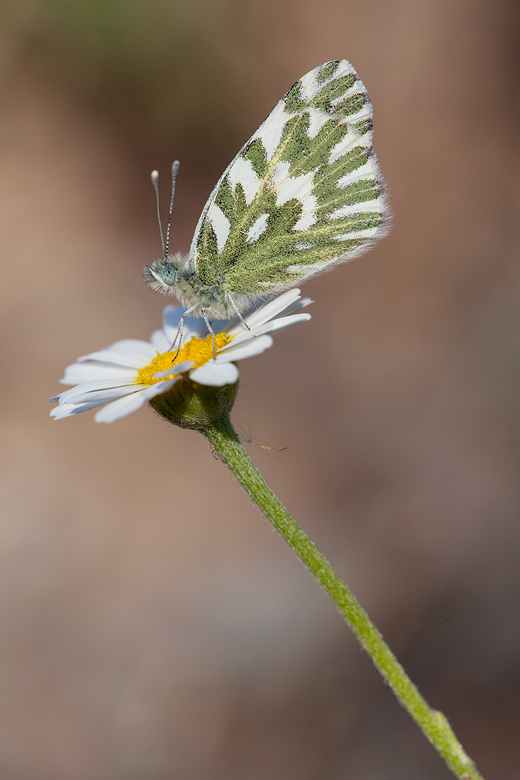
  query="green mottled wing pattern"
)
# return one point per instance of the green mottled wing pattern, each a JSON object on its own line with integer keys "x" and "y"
{"x": 304, "y": 192}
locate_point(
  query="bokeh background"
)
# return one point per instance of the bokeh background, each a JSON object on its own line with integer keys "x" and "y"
{"x": 152, "y": 624}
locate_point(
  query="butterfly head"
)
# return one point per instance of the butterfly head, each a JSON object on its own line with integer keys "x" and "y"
{"x": 163, "y": 275}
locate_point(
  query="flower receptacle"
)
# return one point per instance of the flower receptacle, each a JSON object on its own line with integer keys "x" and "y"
{"x": 191, "y": 405}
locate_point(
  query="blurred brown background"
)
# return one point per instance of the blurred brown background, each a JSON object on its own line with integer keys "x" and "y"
{"x": 152, "y": 625}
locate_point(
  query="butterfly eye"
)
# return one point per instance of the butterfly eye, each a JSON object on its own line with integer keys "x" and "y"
{"x": 168, "y": 274}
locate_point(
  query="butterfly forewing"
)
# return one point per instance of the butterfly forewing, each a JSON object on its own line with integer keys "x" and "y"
{"x": 303, "y": 193}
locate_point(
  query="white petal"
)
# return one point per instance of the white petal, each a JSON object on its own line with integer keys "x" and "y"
{"x": 296, "y": 306}
{"x": 193, "y": 326}
{"x": 67, "y": 410}
{"x": 86, "y": 387}
{"x": 120, "y": 408}
{"x": 172, "y": 316}
{"x": 215, "y": 374}
{"x": 132, "y": 346}
{"x": 130, "y": 352}
{"x": 268, "y": 327}
{"x": 160, "y": 342}
{"x": 268, "y": 311}
{"x": 177, "y": 368}
{"x": 103, "y": 396}
{"x": 90, "y": 372}
{"x": 254, "y": 346}
{"x": 124, "y": 406}
{"x": 117, "y": 359}
{"x": 159, "y": 387}
{"x": 280, "y": 323}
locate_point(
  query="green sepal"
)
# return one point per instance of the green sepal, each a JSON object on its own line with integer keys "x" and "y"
{"x": 190, "y": 405}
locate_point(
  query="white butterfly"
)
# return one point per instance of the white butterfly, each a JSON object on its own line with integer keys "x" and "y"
{"x": 304, "y": 193}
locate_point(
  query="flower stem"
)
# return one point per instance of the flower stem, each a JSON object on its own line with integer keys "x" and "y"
{"x": 433, "y": 724}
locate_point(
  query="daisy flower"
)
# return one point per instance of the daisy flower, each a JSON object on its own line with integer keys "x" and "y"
{"x": 130, "y": 373}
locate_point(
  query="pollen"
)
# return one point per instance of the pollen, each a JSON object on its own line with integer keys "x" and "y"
{"x": 199, "y": 351}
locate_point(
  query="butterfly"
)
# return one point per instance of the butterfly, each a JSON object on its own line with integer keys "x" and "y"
{"x": 303, "y": 194}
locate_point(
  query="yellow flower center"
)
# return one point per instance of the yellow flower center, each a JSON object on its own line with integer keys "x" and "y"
{"x": 197, "y": 350}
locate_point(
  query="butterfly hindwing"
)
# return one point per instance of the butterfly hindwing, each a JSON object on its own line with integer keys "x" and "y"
{"x": 303, "y": 193}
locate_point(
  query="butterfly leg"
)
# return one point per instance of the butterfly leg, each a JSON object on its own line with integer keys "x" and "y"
{"x": 178, "y": 335}
{"x": 210, "y": 330}
{"x": 235, "y": 307}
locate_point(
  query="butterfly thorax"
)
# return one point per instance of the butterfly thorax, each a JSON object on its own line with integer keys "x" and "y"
{"x": 173, "y": 276}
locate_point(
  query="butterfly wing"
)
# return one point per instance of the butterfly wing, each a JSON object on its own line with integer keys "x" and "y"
{"x": 304, "y": 192}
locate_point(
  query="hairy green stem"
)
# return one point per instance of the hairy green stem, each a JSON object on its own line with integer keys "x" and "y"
{"x": 434, "y": 725}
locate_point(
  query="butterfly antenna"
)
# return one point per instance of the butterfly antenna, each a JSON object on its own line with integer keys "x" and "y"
{"x": 175, "y": 170}
{"x": 155, "y": 181}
